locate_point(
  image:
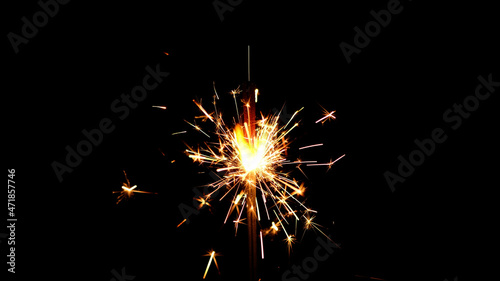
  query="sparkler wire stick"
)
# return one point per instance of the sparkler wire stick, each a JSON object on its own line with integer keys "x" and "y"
{"x": 249, "y": 124}
{"x": 249, "y": 120}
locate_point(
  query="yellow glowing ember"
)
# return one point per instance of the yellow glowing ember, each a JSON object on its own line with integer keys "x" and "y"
{"x": 274, "y": 227}
{"x": 251, "y": 152}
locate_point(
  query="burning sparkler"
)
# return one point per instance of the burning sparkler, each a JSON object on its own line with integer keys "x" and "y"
{"x": 257, "y": 161}
{"x": 252, "y": 154}
{"x": 253, "y": 165}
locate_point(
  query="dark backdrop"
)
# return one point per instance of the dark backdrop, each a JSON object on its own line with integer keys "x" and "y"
{"x": 432, "y": 226}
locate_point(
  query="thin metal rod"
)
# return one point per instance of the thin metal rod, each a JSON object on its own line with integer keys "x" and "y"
{"x": 249, "y": 120}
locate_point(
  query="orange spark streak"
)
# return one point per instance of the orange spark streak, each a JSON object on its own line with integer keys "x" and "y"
{"x": 327, "y": 164}
{"x": 309, "y": 146}
{"x": 261, "y": 245}
{"x": 177, "y": 133}
{"x": 183, "y": 221}
{"x": 160, "y": 107}
{"x": 327, "y": 116}
{"x": 209, "y": 262}
{"x": 209, "y": 116}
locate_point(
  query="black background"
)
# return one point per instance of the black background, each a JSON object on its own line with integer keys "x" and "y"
{"x": 434, "y": 226}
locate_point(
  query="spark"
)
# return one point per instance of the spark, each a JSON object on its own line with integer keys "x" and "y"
{"x": 208, "y": 265}
{"x": 327, "y": 115}
{"x": 178, "y": 133}
{"x": 234, "y": 93}
{"x": 128, "y": 190}
{"x": 274, "y": 227}
{"x": 197, "y": 128}
{"x": 299, "y": 162}
{"x": 310, "y": 224}
{"x": 183, "y": 221}
{"x": 290, "y": 240}
{"x": 261, "y": 245}
{"x": 293, "y": 116}
{"x": 212, "y": 255}
{"x": 309, "y": 146}
{"x": 215, "y": 91}
{"x": 160, "y": 107}
{"x": 329, "y": 164}
{"x": 209, "y": 116}
{"x": 203, "y": 201}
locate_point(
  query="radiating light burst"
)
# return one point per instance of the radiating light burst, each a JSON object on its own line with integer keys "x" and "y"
{"x": 255, "y": 160}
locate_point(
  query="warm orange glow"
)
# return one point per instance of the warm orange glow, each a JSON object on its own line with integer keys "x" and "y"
{"x": 273, "y": 226}
{"x": 251, "y": 152}
{"x": 252, "y": 158}
{"x": 183, "y": 221}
